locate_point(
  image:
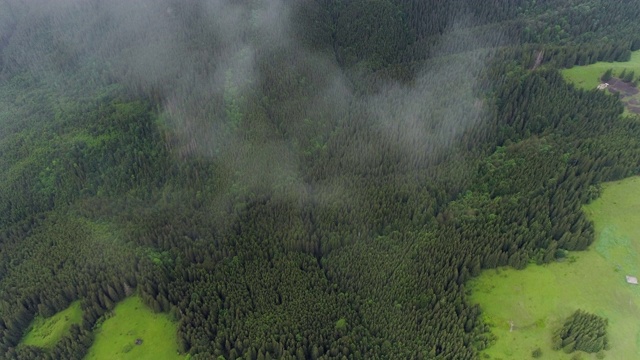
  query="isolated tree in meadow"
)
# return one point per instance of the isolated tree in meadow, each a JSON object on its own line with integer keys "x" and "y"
{"x": 582, "y": 331}
{"x": 607, "y": 75}
{"x": 537, "y": 353}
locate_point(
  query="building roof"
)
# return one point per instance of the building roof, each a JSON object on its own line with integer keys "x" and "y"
{"x": 632, "y": 280}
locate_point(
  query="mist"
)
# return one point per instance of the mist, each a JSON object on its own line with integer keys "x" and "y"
{"x": 224, "y": 74}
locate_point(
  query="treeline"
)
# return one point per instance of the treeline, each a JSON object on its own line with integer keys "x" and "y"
{"x": 523, "y": 205}
{"x": 581, "y": 33}
{"x": 51, "y": 263}
{"x": 300, "y": 213}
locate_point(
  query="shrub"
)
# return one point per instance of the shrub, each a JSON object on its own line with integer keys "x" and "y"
{"x": 536, "y": 353}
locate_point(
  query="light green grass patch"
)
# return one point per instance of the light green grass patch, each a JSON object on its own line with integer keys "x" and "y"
{"x": 538, "y": 299}
{"x": 588, "y": 76}
{"x": 46, "y": 332}
{"x": 116, "y": 338}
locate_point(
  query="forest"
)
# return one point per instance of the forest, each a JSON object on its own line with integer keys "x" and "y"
{"x": 308, "y": 179}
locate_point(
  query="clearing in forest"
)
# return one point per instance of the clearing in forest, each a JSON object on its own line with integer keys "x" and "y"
{"x": 525, "y": 307}
{"x": 588, "y": 77}
{"x": 46, "y": 332}
{"x": 135, "y": 332}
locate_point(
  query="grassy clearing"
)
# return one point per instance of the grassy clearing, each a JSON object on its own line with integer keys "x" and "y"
{"x": 115, "y": 338}
{"x": 588, "y": 77}
{"x": 539, "y": 298}
{"x": 45, "y": 333}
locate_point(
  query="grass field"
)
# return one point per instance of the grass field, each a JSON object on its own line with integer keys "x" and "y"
{"x": 539, "y": 298}
{"x": 115, "y": 338}
{"x": 45, "y": 333}
{"x": 588, "y": 77}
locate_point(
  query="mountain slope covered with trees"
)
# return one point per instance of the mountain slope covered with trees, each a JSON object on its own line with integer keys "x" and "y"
{"x": 297, "y": 179}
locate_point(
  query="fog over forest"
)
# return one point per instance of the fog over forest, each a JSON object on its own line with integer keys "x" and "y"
{"x": 310, "y": 179}
{"x": 207, "y": 63}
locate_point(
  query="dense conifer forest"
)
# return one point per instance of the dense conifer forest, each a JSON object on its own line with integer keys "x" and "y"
{"x": 582, "y": 331}
{"x": 297, "y": 179}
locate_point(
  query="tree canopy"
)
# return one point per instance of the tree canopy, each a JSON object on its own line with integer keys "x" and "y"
{"x": 297, "y": 179}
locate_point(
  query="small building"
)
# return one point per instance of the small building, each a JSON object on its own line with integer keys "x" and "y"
{"x": 632, "y": 280}
{"x": 603, "y": 86}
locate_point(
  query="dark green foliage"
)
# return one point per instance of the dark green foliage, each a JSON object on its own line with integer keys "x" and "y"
{"x": 333, "y": 206}
{"x": 607, "y": 75}
{"x": 383, "y": 27}
{"x": 537, "y": 353}
{"x": 623, "y": 74}
{"x": 584, "y": 332}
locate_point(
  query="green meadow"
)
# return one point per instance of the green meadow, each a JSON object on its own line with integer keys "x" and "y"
{"x": 115, "y": 338}
{"x": 588, "y": 77}
{"x": 525, "y": 307}
{"x": 45, "y": 332}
